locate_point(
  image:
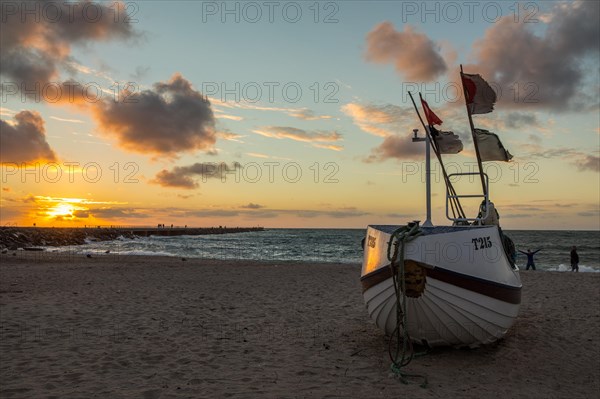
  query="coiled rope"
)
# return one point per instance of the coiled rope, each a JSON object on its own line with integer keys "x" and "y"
{"x": 401, "y": 357}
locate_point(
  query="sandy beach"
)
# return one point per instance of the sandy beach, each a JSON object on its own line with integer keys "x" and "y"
{"x": 150, "y": 327}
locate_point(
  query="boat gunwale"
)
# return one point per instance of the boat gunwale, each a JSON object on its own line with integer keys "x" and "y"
{"x": 503, "y": 292}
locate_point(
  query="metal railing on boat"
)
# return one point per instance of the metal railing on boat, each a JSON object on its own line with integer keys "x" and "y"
{"x": 457, "y": 196}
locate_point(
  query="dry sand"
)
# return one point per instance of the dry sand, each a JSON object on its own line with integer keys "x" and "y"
{"x": 147, "y": 327}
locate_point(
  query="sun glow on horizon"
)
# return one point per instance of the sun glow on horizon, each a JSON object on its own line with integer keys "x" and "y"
{"x": 61, "y": 210}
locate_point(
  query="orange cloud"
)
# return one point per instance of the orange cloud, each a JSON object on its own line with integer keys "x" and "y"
{"x": 24, "y": 141}
{"x": 292, "y": 133}
{"x": 379, "y": 120}
{"x": 413, "y": 54}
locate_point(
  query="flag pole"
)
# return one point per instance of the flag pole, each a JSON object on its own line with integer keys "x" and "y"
{"x": 436, "y": 149}
{"x": 433, "y": 144}
{"x": 473, "y": 131}
{"x": 439, "y": 158}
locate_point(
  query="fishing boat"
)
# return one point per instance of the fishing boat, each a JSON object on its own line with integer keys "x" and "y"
{"x": 456, "y": 284}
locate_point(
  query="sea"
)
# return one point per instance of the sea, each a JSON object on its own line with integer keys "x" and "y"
{"x": 334, "y": 246}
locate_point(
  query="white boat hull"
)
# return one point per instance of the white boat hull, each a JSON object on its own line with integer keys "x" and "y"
{"x": 471, "y": 295}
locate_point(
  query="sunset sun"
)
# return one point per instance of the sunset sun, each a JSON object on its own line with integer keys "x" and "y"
{"x": 61, "y": 210}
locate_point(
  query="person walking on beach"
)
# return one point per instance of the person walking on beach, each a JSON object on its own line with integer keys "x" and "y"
{"x": 530, "y": 262}
{"x": 574, "y": 259}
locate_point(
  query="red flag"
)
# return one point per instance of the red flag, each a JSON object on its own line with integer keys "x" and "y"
{"x": 432, "y": 118}
{"x": 480, "y": 95}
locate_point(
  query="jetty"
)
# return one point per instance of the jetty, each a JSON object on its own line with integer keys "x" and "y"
{"x": 12, "y": 238}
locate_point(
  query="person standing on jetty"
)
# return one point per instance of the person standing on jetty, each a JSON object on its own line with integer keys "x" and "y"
{"x": 574, "y": 259}
{"x": 530, "y": 262}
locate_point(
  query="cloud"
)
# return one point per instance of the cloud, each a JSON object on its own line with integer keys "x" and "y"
{"x": 169, "y": 119}
{"x": 395, "y": 147}
{"x": 382, "y": 114}
{"x": 257, "y": 155}
{"x": 380, "y": 120}
{"x": 7, "y": 112}
{"x": 391, "y": 122}
{"x": 251, "y": 205}
{"x": 230, "y": 117}
{"x": 548, "y": 69}
{"x": 548, "y": 208}
{"x": 300, "y": 113}
{"x": 208, "y": 213}
{"x": 519, "y": 60}
{"x": 589, "y": 213}
{"x": 140, "y": 73}
{"x": 500, "y": 121}
{"x": 334, "y": 213}
{"x": 399, "y": 215}
{"x": 183, "y": 176}
{"x": 316, "y": 138}
{"x": 342, "y": 213}
{"x": 78, "y": 213}
{"x": 588, "y": 162}
{"x": 24, "y": 141}
{"x": 395, "y": 125}
{"x": 39, "y": 199}
{"x": 56, "y": 118}
{"x": 114, "y": 213}
{"x": 36, "y": 47}
{"x": 331, "y": 147}
{"x": 582, "y": 160}
{"x": 515, "y": 120}
{"x": 413, "y": 54}
{"x": 226, "y": 134}
{"x": 67, "y": 209}
{"x": 307, "y": 115}
{"x": 76, "y": 67}
{"x": 518, "y": 215}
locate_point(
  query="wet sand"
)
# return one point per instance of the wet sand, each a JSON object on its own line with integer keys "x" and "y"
{"x": 150, "y": 327}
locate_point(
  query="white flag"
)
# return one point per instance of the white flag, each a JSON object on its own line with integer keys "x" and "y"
{"x": 490, "y": 147}
{"x": 447, "y": 142}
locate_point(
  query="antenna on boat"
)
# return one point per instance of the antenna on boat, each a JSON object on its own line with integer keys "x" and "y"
{"x": 417, "y": 139}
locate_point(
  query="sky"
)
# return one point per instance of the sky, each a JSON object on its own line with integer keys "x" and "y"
{"x": 291, "y": 114}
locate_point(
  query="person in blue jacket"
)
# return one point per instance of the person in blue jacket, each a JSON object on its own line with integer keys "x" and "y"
{"x": 530, "y": 262}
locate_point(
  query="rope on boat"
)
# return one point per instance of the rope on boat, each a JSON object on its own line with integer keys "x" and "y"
{"x": 401, "y": 358}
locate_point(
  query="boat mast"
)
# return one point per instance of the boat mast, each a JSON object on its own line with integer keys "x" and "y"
{"x": 417, "y": 139}
{"x": 427, "y": 141}
{"x": 427, "y": 222}
{"x": 455, "y": 203}
{"x": 462, "y": 81}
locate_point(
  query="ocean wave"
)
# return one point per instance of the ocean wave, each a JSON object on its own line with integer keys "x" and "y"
{"x": 146, "y": 253}
{"x": 81, "y": 250}
{"x": 567, "y": 268}
{"x": 327, "y": 245}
